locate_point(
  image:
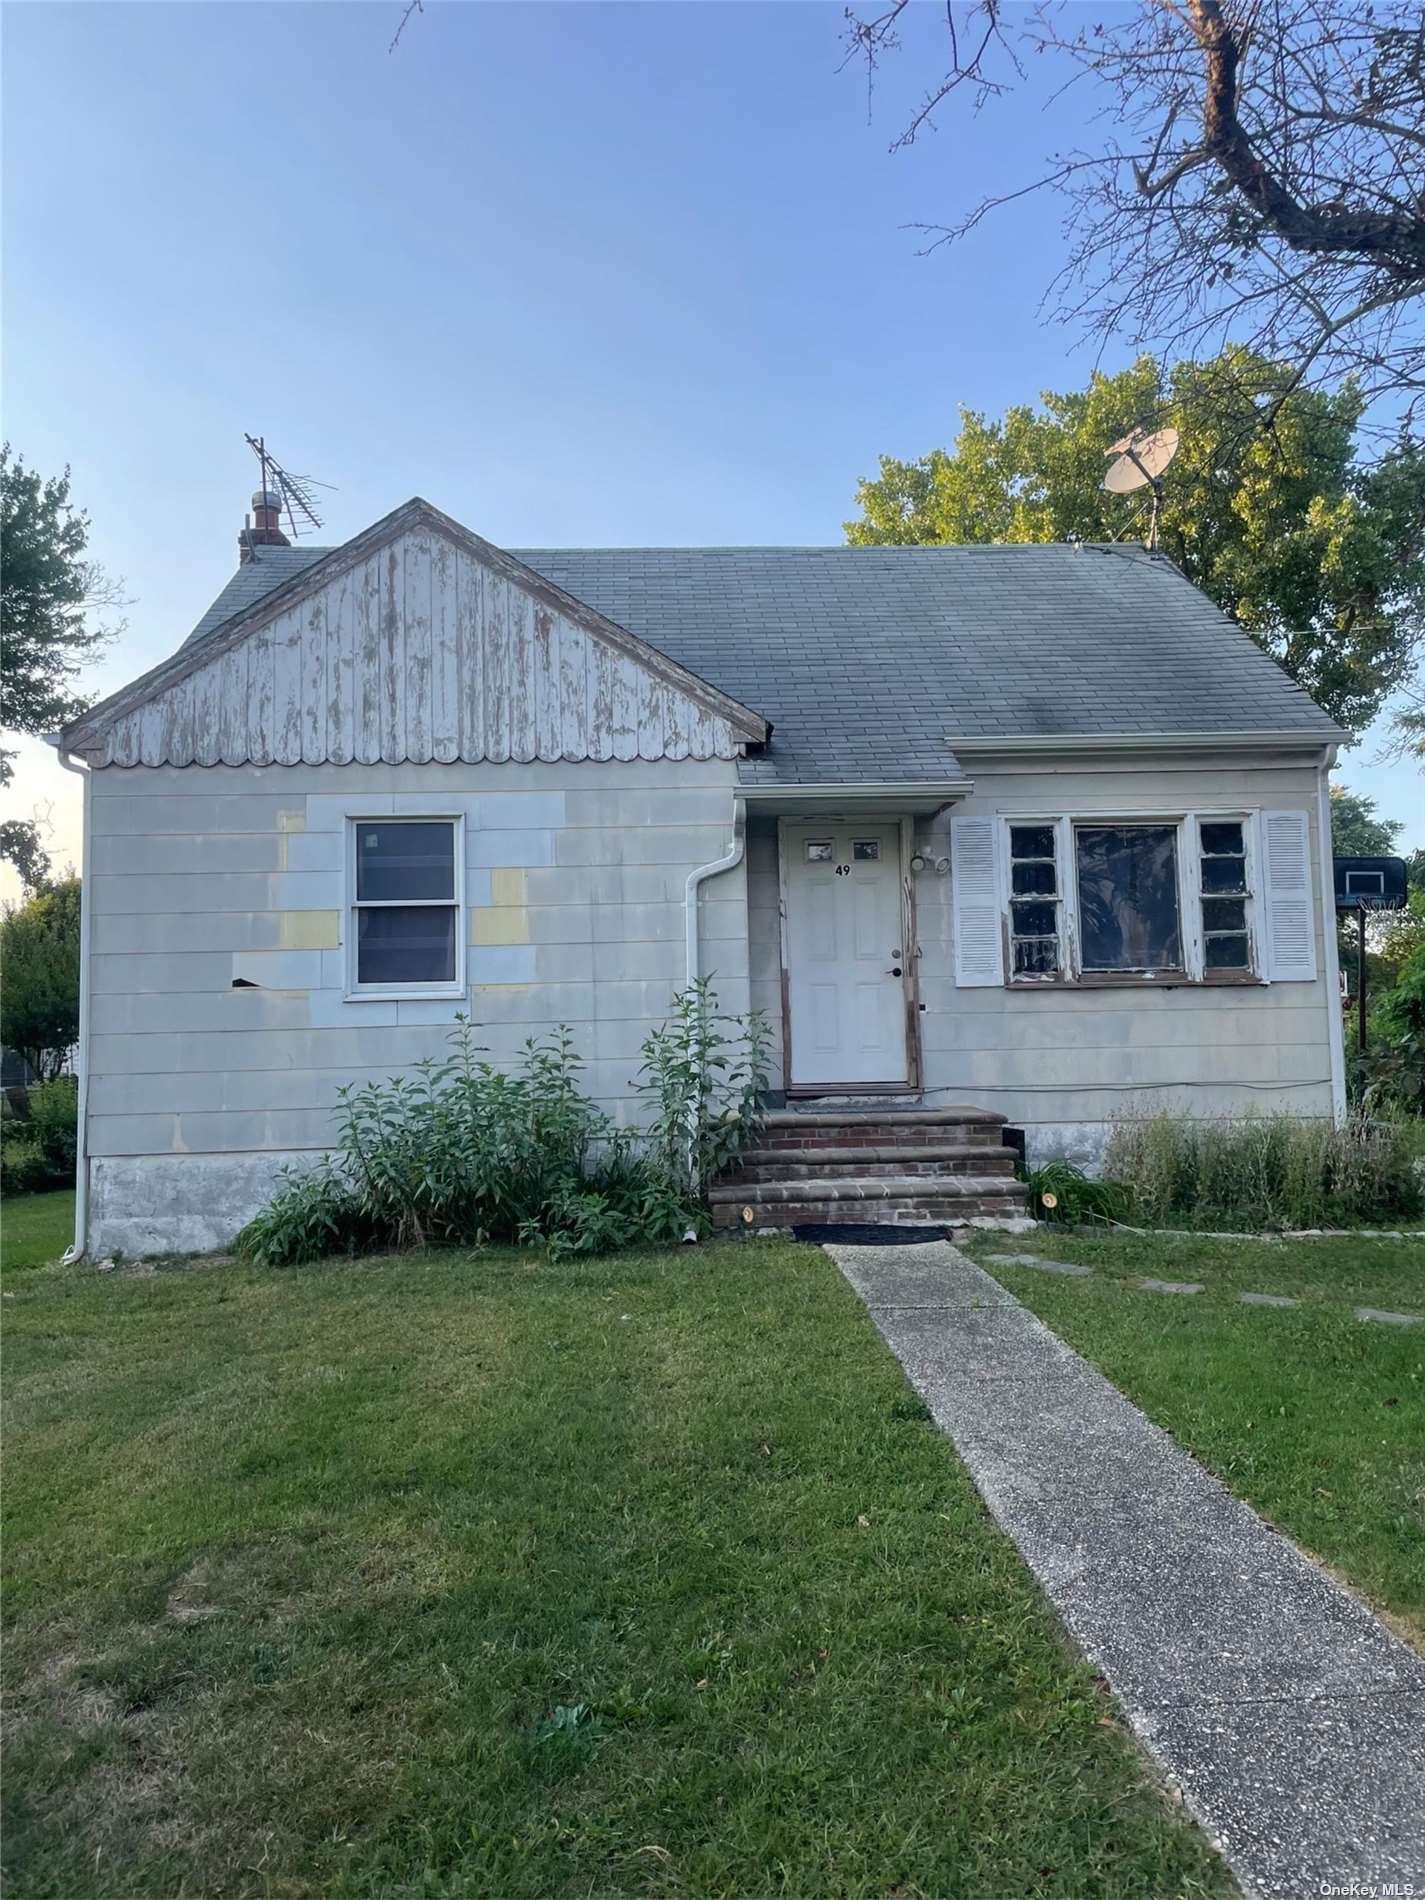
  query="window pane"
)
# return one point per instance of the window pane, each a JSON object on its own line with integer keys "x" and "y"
{"x": 401, "y": 945}
{"x": 1036, "y": 956}
{"x": 395, "y": 863}
{"x": 1224, "y": 874}
{"x": 1031, "y": 841}
{"x": 1222, "y": 840}
{"x": 1224, "y": 913}
{"x": 1033, "y": 880}
{"x": 866, "y": 850}
{"x": 819, "y": 851}
{"x": 1034, "y": 920}
{"x": 1227, "y": 953}
{"x": 1128, "y": 897}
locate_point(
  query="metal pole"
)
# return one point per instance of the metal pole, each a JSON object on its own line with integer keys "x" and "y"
{"x": 1361, "y": 979}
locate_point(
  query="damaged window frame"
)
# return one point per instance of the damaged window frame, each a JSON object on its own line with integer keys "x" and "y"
{"x": 1188, "y": 828}
{"x": 358, "y": 992}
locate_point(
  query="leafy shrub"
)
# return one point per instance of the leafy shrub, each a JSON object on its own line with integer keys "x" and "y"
{"x": 459, "y": 1153}
{"x": 23, "y": 1169}
{"x": 54, "y": 1116}
{"x": 1267, "y": 1171}
{"x": 700, "y": 1085}
{"x": 1061, "y": 1192}
{"x": 1395, "y": 1061}
{"x": 38, "y": 1151}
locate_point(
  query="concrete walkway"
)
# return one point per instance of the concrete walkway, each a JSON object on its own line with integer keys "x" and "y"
{"x": 1291, "y": 1719}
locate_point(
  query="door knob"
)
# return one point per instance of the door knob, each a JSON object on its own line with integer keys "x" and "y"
{"x": 895, "y": 969}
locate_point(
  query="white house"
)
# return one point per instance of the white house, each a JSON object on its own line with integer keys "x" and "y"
{"x": 1030, "y": 834}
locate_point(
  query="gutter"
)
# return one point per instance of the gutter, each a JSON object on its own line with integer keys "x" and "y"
{"x": 81, "y": 1159}
{"x": 1144, "y": 742}
{"x": 864, "y": 795}
{"x": 729, "y": 860}
{"x": 1335, "y": 1021}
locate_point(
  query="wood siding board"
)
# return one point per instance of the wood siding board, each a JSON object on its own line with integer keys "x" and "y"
{"x": 445, "y": 655}
{"x": 312, "y": 707}
{"x": 573, "y": 691}
{"x": 261, "y": 665}
{"x": 341, "y": 673}
{"x": 393, "y": 654}
{"x": 470, "y": 580}
{"x": 494, "y": 635}
{"x": 519, "y": 634}
{"x": 416, "y": 631}
{"x": 366, "y": 606}
{"x": 624, "y": 718}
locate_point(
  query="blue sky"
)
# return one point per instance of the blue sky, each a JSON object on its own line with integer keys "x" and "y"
{"x": 586, "y": 273}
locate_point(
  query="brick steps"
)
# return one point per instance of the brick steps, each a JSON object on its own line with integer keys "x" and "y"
{"x": 873, "y": 1164}
{"x": 797, "y": 1164}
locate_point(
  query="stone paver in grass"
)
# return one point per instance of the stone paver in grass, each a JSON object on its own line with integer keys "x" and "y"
{"x": 1267, "y": 1299}
{"x": 1387, "y": 1319}
{"x": 1171, "y": 1286}
{"x": 1290, "y": 1717}
{"x": 1044, "y": 1266}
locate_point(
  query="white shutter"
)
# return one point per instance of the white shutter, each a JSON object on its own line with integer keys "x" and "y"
{"x": 974, "y": 893}
{"x": 1286, "y": 897}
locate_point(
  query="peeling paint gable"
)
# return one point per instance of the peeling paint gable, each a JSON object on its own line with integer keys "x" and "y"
{"x": 419, "y": 644}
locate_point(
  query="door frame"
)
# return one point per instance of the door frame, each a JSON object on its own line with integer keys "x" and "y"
{"x": 910, "y": 961}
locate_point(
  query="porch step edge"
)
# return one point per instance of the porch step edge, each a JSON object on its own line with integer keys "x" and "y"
{"x": 787, "y": 1118}
{"x": 949, "y": 1187}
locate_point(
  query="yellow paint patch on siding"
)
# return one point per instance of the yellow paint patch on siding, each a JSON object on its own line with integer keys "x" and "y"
{"x": 505, "y": 925}
{"x": 498, "y": 989}
{"x": 507, "y": 887}
{"x": 310, "y": 929}
{"x": 292, "y": 818}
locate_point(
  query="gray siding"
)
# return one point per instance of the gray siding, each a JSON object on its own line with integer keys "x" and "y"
{"x": 1063, "y": 1062}
{"x": 575, "y": 888}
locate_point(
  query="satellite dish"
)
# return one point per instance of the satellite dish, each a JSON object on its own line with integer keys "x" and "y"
{"x": 1139, "y": 461}
{"x": 1141, "y": 458}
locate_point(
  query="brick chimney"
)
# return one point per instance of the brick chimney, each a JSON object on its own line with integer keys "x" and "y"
{"x": 262, "y": 528}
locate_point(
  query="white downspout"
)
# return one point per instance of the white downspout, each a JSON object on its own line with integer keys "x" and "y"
{"x": 730, "y": 859}
{"x": 81, "y": 1158}
{"x": 1335, "y": 1025}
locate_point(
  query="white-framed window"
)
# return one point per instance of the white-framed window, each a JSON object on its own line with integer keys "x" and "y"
{"x": 405, "y": 906}
{"x": 1054, "y": 899}
{"x": 1226, "y": 876}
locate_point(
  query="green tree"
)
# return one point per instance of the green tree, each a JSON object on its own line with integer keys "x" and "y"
{"x": 39, "y": 955}
{"x": 1320, "y": 560}
{"x": 49, "y": 594}
{"x": 1357, "y": 828}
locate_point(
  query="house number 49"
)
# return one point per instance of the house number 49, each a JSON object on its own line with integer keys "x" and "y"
{"x": 843, "y": 870}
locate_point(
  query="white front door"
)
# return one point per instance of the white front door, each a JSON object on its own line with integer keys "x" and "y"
{"x": 846, "y": 997}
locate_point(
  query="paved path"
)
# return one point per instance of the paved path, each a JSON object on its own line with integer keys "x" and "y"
{"x": 1292, "y": 1720}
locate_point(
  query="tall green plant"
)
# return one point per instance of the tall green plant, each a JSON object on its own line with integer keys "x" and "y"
{"x": 1267, "y": 1171}
{"x": 459, "y": 1152}
{"x": 700, "y": 1086}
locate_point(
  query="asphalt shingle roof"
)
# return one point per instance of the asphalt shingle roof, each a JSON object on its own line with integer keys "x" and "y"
{"x": 256, "y": 578}
{"x": 866, "y": 660}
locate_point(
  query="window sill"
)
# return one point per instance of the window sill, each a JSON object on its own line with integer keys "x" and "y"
{"x": 1158, "y": 980}
{"x": 447, "y": 993}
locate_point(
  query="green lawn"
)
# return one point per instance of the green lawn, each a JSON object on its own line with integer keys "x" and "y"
{"x": 36, "y": 1228}
{"x": 1314, "y": 1417}
{"x": 471, "y": 1576}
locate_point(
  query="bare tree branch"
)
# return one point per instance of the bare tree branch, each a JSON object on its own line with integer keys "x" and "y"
{"x": 412, "y": 6}
{"x": 1294, "y": 223}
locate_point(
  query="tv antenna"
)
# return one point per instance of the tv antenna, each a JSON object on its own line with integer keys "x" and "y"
{"x": 294, "y": 492}
{"x": 1140, "y": 460}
